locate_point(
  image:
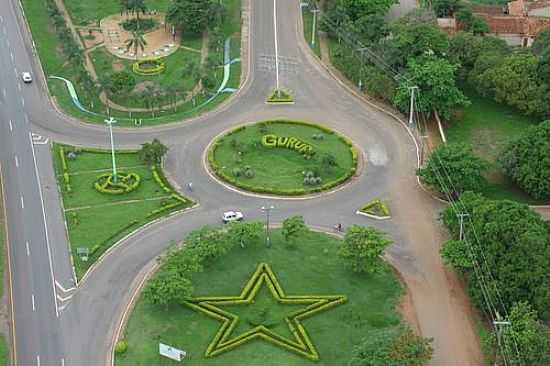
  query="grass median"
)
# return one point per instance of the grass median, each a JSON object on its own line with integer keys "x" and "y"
{"x": 96, "y": 220}
{"x": 310, "y": 267}
{"x": 4, "y": 351}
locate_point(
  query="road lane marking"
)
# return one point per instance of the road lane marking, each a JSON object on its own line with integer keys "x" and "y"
{"x": 33, "y": 305}
{"x": 276, "y": 42}
{"x": 63, "y": 299}
{"x": 22, "y": 101}
{"x": 22, "y": 203}
{"x": 11, "y": 55}
{"x": 37, "y": 360}
{"x": 28, "y": 249}
{"x": 19, "y": 86}
{"x": 45, "y": 226}
{"x": 16, "y": 162}
{"x": 4, "y": 92}
{"x": 62, "y": 362}
{"x": 11, "y": 127}
{"x": 15, "y": 71}
{"x": 63, "y": 288}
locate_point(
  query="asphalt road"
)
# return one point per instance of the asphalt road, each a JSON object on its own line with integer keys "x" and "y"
{"x": 89, "y": 315}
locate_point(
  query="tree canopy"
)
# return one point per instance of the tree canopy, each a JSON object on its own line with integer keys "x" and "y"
{"x": 510, "y": 240}
{"x": 190, "y": 15}
{"x": 293, "y": 227}
{"x": 153, "y": 152}
{"x": 526, "y": 159}
{"x": 362, "y": 249}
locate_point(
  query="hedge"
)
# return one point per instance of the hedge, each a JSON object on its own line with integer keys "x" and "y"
{"x": 377, "y": 208}
{"x": 286, "y": 192}
{"x": 97, "y": 249}
{"x": 127, "y": 183}
{"x": 158, "y": 69}
{"x": 248, "y": 295}
{"x": 280, "y": 96}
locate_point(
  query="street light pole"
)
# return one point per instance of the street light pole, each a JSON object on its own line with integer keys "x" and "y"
{"x": 267, "y": 211}
{"x": 314, "y": 11}
{"x": 110, "y": 122}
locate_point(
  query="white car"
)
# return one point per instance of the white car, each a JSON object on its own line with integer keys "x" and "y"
{"x": 231, "y": 216}
{"x": 27, "y": 78}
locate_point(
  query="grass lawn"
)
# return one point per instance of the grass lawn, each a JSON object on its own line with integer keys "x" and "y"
{"x": 279, "y": 169}
{"x": 96, "y": 220}
{"x": 91, "y": 12}
{"x": 487, "y": 126}
{"x": 310, "y": 268}
{"x": 54, "y": 62}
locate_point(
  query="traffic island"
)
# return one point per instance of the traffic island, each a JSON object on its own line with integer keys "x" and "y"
{"x": 285, "y": 158}
{"x": 100, "y": 210}
{"x": 258, "y": 305}
{"x": 280, "y": 96}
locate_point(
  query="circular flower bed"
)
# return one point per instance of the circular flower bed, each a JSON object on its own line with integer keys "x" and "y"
{"x": 283, "y": 158}
{"x": 142, "y": 25}
{"x": 149, "y": 67}
{"x": 126, "y": 182}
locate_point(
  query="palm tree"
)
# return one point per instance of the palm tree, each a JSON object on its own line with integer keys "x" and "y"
{"x": 135, "y": 42}
{"x": 136, "y": 6}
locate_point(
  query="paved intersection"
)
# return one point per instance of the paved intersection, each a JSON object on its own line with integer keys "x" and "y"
{"x": 59, "y": 325}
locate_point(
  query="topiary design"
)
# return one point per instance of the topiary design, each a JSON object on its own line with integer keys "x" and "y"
{"x": 376, "y": 208}
{"x": 126, "y": 182}
{"x": 149, "y": 67}
{"x": 300, "y": 343}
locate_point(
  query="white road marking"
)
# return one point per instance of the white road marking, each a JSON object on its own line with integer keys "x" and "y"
{"x": 45, "y": 225}
{"x": 23, "y": 102}
{"x": 11, "y": 127}
{"x": 276, "y": 43}
{"x": 1, "y": 19}
{"x": 15, "y": 70}
{"x": 37, "y": 360}
{"x": 28, "y": 249}
{"x": 63, "y": 299}
{"x": 33, "y": 306}
{"x": 19, "y": 86}
{"x": 64, "y": 289}
{"x": 4, "y": 92}
{"x": 11, "y": 55}
{"x": 22, "y": 202}
{"x": 62, "y": 362}
{"x": 16, "y": 162}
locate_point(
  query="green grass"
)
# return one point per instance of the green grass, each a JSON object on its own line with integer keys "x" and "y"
{"x": 281, "y": 169}
{"x": 487, "y": 126}
{"x": 95, "y": 220}
{"x": 310, "y": 268}
{"x": 54, "y": 63}
{"x": 4, "y": 350}
{"x": 307, "y": 17}
{"x": 91, "y": 12}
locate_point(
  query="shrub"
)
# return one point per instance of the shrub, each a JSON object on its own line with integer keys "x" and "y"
{"x": 237, "y": 172}
{"x": 126, "y": 182}
{"x": 121, "y": 347}
{"x": 280, "y": 96}
{"x": 144, "y": 25}
{"x": 122, "y": 82}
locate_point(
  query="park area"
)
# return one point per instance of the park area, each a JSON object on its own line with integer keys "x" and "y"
{"x": 487, "y": 126}
{"x": 99, "y": 216}
{"x": 358, "y": 306}
{"x": 283, "y": 157}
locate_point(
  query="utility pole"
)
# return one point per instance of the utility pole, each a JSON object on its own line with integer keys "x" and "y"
{"x": 499, "y": 325}
{"x": 461, "y": 217}
{"x": 110, "y": 122}
{"x": 276, "y": 48}
{"x": 314, "y": 11}
{"x": 361, "y": 52}
{"x": 267, "y": 211}
{"x": 411, "y": 112}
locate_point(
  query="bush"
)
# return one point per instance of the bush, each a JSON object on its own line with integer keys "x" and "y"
{"x": 122, "y": 82}
{"x": 280, "y": 96}
{"x": 149, "y": 67}
{"x": 121, "y": 347}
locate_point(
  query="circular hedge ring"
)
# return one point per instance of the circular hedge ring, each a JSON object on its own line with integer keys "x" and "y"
{"x": 149, "y": 67}
{"x": 280, "y": 157}
{"x": 127, "y": 182}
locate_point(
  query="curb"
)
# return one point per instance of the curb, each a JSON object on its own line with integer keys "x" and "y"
{"x": 352, "y": 179}
{"x": 372, "y": 216}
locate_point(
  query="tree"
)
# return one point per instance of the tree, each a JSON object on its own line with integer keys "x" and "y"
{"x": 293, "y": 227}
{"x": 479, "y": 26}
{"x": 189, "y": 15}
{"x": 137, "y": 6}
{"x": 543, "y": 67}
{"x": 152, "y": 153}
{"x": 356, "y": 9}
{"x": 136, "y": 41}
{"x": 542, "y": 42}
{"x": 465, "y": 16}
{"x": 208, "y": 243}
{"x": 529, "y": 334}
{"x": 121, "y": 82}
{"x": 393, "y": 347}
{"x": 362, "y": 249}
{"x": 168, "y": 287}
{"x": 444, "y": 8}
{"x": 508, "y": 238}
{"x": 416, "y": 35}
{"x": 526, "y": 160}
{"x": 453, "y": 169}
{"x": 245, "y": 232}
{"x": 435, "y": 77}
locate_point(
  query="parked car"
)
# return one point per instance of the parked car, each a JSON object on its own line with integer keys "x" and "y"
{"x": 27, "y": 78}
{"x": 230, "y": 216}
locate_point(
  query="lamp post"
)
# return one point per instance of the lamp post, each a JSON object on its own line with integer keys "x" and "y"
{"x": 110, "y": 122}
{"x": 314, "y": 11}
{"x": 267, "y": 211}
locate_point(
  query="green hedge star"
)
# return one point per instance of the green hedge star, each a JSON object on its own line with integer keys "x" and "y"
{"x": 300, "y": 343}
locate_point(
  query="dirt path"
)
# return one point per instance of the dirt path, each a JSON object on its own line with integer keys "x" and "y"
{"x": 437, "y": 304}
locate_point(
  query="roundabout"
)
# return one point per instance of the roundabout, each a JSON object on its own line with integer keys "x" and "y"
{"x": 283, "y": 158}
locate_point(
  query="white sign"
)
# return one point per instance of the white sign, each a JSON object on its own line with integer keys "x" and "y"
{"x": 171, "y": 352}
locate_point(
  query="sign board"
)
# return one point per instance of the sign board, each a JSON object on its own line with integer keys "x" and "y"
{"x": 171, "y": 352}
